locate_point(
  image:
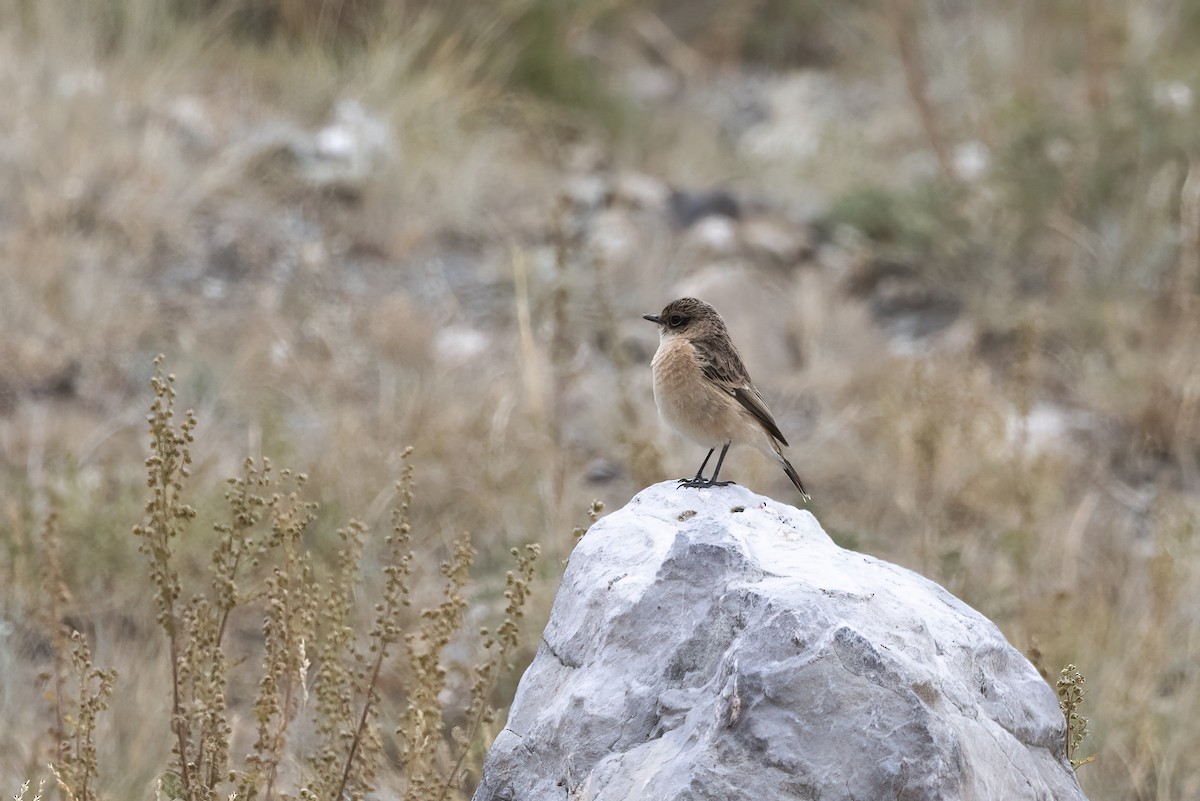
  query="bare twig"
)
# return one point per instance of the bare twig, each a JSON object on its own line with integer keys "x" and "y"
{"x": 1187, "y": 269}
{"x": 1094, "y": 57}
{"x": 904, "y": 26}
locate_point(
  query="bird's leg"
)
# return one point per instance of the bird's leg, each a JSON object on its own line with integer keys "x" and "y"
{"x": 712, "y": 482}
{"x": 699, "y": 479}
{"x": 699, "y": 482}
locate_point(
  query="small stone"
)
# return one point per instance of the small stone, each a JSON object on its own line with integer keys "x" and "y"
{"x": 782, "y": 241}
{"x": 714, "y": 236}
{"x": 601, "y": 470}
{"x": 586, "y": 192}
{"x": 640, "y": 191}
{"x": 689, "y": 207}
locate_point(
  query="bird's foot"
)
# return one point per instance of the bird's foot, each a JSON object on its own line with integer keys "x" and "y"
{"x": 701, "y": 483}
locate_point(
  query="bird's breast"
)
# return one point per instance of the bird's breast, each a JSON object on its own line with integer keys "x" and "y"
{"x": 687, "y": 400}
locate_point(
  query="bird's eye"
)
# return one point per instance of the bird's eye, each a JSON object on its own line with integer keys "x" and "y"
{"x": 675, "y": 320}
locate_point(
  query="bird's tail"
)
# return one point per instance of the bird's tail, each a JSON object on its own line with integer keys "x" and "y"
{"x": 791, "y": 471}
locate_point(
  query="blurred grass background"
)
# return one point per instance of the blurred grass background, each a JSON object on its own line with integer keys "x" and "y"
{"x": 958, "y": 244}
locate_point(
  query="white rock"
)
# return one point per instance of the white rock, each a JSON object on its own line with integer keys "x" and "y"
{"x": 460, "y": 344}
{"x": 780, "y": 240}
{"x": 1173, "y": 96}
{"x": 189, "y": 117}
{"x": 612, "y": 236}
{"x": 349, "y": 149}
{"x": 640, "y": 190}
{"x": 588, "y": 191}
{"x": 715, "y": 235}
{"x": 715, "y": 644}
{"x": 796, "y": 120}
{"x": 86, "y": 83}
{"x": 971, "y": 159}
{"x": 354, "y": 135}
{"x": 1047, "y": 427}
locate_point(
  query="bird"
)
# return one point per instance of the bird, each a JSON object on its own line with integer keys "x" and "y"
{"x": 702, "y": 389}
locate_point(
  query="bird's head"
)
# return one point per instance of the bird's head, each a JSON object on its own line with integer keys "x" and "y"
{"x": 687, "y": 317}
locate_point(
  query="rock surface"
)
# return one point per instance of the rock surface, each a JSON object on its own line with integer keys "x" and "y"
{"x": 715, "y": 644}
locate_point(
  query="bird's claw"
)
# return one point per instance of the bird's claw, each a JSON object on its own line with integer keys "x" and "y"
{"x": 701, "y": 483}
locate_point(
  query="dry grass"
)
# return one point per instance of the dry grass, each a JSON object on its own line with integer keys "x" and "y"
{"x": 167, "y": 191}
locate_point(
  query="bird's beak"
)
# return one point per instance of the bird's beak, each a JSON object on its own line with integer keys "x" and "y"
{"x": 654, "y": 318}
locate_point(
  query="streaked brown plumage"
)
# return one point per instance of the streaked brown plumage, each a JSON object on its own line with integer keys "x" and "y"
{"x": 703, "y": 390}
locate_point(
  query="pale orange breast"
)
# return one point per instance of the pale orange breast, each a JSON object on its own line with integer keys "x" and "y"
{"x": 689, "y": 402}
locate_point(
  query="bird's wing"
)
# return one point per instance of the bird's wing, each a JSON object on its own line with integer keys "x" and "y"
{"x": 724, "y": 368}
